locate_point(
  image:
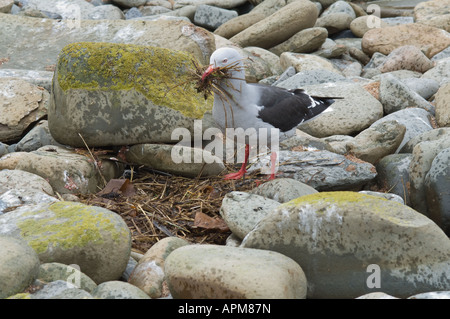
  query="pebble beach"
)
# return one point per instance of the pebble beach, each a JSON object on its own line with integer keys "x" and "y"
{"x": 92, "y": 91}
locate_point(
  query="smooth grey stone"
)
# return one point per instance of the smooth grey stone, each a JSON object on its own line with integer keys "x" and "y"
{"x": 212, "y": 17}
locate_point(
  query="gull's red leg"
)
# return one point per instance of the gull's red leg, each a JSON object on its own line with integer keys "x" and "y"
{"x": 243, "y": 170}
{"x": 273, "y": 158}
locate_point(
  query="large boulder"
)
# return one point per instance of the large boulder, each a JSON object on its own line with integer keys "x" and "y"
{"x": 94, "y": 238}
{"x": 212, "y": 271}
{"x": 321, "y": 170}
{"x": 243, "y": 21}
{"x": 423, "y": 156}
{"x": 377, "y": 141}
{"x": 349, "y": 244}
{"x": 66, "y": 9}
{"x": 226, "y": 4}
{"x": 416, "y": 120}
{"x": 118, "y": 94}
{"x": 395, "y": 95}
{"x": 283, "y": 190}
{"x": 393, "y": 175}
{"x": 384, "y": 40}
{"x": 18, "y": 188}
{"x": 442, "y": 105}
{"x": 21, "y": 104}
{"x": 279, "y": 26}
{"x": 47, "y": 37}
{"x": 19, "y": 266}
{"x": 434, "y": 13}
{"x": 69, "y": 172}
{"x": 437, "y": 184}
{"x": 336, "y": 120}
{"x": 179, "y": 160}
{"x": 148, "y": 275}
{"x": 242, "y": 211}
{"x": 53, "y": 271}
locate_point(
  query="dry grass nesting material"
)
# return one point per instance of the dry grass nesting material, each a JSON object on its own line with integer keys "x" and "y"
{"x": 155, "y": 206}
{"x": 209, "y": 83}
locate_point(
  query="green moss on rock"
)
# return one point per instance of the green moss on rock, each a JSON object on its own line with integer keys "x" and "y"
{"x": 345, "y": 202}
{"x": 70, "y": 225}
{"x": 158, "y": 73}
{"x": 22, "y": 295}
{"x": 333, "y": 197}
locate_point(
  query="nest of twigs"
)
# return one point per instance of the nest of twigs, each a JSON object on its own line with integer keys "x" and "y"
{"x": 207, "y": 84}
{"x": 210, "y": 84}
{"x": 158, "y": 205}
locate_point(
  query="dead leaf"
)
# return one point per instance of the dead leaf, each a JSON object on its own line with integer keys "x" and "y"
{"x": 204, "y": 221}
{"x": 116, "y": 188}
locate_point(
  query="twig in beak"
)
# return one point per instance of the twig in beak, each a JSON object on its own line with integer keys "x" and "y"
{"x": 208, "y": 72}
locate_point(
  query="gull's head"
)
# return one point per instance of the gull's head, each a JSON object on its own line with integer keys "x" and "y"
{"x": 222, "y": 59}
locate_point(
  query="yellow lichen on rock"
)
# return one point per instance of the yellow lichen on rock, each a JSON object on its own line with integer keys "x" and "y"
{"x": 92, "y": 239}
{"x": 22, "y": 295}
{"x": 332, "y": 197}
{"x": 72, "y": 230}
{"x": 158, "y": 73}
{"x": 348, "y": 203}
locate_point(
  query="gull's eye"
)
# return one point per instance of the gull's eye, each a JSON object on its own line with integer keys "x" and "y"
{"x": 225, "y": 60}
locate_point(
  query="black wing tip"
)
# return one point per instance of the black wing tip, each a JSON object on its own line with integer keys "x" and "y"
{"x": 327, "y": 97}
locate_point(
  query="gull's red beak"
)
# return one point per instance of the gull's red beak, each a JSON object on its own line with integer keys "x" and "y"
{"x": 207, "y": 72}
